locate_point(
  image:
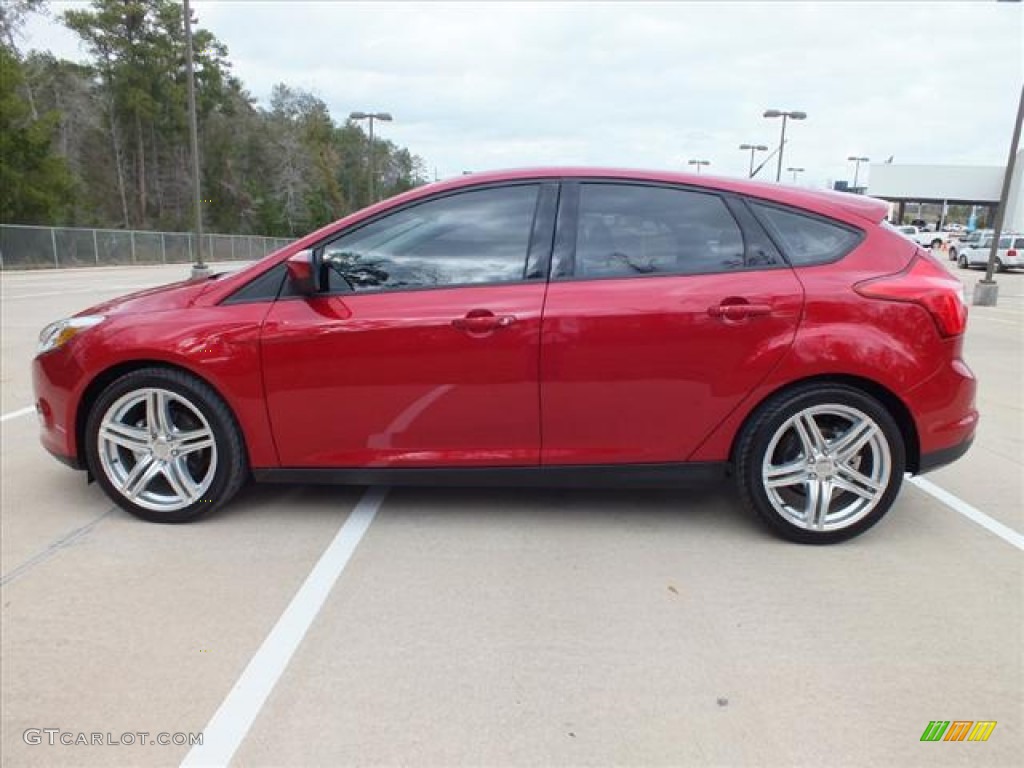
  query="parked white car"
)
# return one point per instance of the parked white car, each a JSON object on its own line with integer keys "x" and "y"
{"x": 923, "y": 237}
{"x": 1010, "y": 253}
{"x": 969, "y": 240}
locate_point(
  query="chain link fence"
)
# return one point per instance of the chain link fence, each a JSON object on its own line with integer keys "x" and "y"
{"x": 26, "y": 247}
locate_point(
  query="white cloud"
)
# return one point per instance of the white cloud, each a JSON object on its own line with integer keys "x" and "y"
{"x": 483, "y": 85}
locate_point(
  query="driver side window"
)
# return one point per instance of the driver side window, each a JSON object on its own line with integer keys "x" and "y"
{"x": 480, "y": 236}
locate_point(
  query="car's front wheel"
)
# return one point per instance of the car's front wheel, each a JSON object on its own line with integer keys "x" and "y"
{"x": 952, "y": 254}
{"x": 962, "y": 262}
{"x": 164, "y": 445}
{"x": 820, "y": 463}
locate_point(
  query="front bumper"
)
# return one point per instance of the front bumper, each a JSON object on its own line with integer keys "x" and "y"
{"x": 56, "y": 381}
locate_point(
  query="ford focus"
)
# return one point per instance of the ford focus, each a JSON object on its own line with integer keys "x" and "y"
{"x": 571, "y": 327}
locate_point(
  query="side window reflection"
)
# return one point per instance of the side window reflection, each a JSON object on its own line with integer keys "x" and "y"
{"x": 480, "y": 236}
{"x": 631, "y": 230}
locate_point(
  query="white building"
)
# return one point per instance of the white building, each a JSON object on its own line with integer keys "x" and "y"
{"x": 950, "y": 184}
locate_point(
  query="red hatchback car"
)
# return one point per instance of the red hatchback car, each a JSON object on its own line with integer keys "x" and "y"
{"x": 559, "y": 326}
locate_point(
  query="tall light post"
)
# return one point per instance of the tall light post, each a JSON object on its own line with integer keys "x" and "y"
{"x": 199, "y": 268}
{"x": 791, "y": 115}
{"x": 699, "y": 163}
{"x": 753, "y": 148}
{"x": 986, "y": 290}
{"x": 856, "y": 167}
{"x": 371, "y": 116}
{"x": 795, "y": 171}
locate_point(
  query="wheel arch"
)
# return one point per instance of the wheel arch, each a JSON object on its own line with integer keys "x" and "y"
{"x": 109, "y": 375}
{"x": 889, "y": 400}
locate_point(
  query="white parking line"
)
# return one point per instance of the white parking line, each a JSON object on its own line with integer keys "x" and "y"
{"x": 20, "y": 412}
{"x": 1004, "y": 532}
{"x": 233, "y": 719}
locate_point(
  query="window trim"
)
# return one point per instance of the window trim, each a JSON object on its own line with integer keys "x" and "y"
{"x": 545, "y": 200}
{"x": 264, "y": 287}
{"x": 564, "y": 252}
{"x": 752, "y": 204}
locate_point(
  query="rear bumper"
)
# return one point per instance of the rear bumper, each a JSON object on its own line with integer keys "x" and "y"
{"x": 940, "y": 458}
{"x": 944, "y": 410}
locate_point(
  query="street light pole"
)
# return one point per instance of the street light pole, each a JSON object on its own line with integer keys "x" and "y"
{"x": 856, "y": 168}
{"x": 699, "y": 163}
{"x": 371, "y": 116}
{"x": 199, "y": 269}
{"x": 793, "y": 114}
{"x": 986, "y": 290}
{"x": 753, "y": 148}
{"x": 795, "y": 171}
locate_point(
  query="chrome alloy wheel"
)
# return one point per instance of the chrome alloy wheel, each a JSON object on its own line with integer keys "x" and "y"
{"x": 826, "y": 467}
{"x": 157, "y": 449}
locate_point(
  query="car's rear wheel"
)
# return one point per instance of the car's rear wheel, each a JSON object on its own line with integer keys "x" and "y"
{"x": 962, "y": 262}
{"x": 820, "y": 463}
{"x": 1000, "y": 267}
{"x": 936, "y": 243}
{"x": 164, "y": 445}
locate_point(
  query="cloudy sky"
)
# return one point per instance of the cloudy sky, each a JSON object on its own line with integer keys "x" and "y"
{"x": 476, "y": 86}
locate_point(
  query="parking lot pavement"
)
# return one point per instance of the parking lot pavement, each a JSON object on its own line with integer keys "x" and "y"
{"x": 513, "y": 627}
{"x": 584, "y": 628}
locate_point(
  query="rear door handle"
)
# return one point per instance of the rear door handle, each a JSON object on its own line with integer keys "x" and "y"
{"x": 739, "y": 311}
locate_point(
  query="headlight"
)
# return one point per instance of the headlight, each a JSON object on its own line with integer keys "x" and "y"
{"x": 61, "y": 332}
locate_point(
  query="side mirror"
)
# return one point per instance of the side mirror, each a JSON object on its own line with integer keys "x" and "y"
{"x": 303, "y": 273}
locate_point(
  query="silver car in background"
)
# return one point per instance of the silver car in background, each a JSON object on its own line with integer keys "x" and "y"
{"x": 1009, "y": 256}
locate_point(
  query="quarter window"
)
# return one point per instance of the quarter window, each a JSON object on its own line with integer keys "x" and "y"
{"x": 480, "y": 236}
{"x": 807, "y": 240}
{"x": 628, "y": 230}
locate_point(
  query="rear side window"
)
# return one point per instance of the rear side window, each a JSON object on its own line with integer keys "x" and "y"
{"x": 807, "y": 239}
{"x": 629, "y": 230}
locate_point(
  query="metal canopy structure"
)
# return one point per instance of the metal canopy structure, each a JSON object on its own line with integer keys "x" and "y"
{"x": 979, "y": 185}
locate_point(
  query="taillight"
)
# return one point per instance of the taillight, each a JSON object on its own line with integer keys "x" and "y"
{"x": 926, "y": 283}
{"x": 1012, "y": 253}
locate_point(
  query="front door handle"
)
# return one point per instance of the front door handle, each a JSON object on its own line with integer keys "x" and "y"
{"x": 482, "y": 321}
{"x": 739, "y": 311}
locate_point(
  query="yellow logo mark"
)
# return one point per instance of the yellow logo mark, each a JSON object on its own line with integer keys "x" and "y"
{"x": 982, "y": 730}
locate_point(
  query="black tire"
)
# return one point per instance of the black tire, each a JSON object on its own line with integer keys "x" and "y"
{"x": 962, "y": 262}
{"x": 936, "y": 243}
{"x": 1000, "y": 267}
{"x": 761, "y": 429}
{"x": 231, "y": 466}
{"x": 952, "y": 254}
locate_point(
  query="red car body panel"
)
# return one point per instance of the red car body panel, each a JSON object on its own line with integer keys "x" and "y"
{"x": 385, "y": 379}
{"x": 589, "y": 372}
{"x": 218, "y": 344}
{"x": 620, "y": 356}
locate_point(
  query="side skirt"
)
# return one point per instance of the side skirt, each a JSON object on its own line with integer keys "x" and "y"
{"x": 689, "y": 475}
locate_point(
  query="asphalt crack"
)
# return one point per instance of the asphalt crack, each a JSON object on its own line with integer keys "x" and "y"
{"x": 54, "y": 547}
